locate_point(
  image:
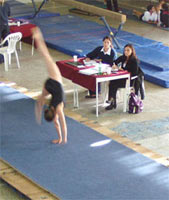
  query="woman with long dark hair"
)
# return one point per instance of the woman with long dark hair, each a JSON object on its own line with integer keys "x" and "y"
{"x": 128, "y": 61}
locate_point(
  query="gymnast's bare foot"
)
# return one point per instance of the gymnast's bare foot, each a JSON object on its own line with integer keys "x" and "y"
{"x": 57, "y": 141}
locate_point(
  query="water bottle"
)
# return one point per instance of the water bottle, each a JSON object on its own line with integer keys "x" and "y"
{"x": 100, "y": 70}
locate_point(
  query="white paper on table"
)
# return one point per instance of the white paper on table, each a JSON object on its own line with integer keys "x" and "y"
{"x": 12, "y": 23}
{"x": 26, "y": 22}
{"x": 80, "y": 66}
{"x": 104, "y": 67}
{"x": 89, "y": 71}
{"x": 95, "y": 70}
{"x": 15, "y": 23}
{"x": 90, "y": 62}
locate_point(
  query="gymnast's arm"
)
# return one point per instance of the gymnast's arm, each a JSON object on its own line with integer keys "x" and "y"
{"x": 52, "y": 68}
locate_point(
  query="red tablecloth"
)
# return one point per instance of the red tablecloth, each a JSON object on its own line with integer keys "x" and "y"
{"x": 25, "y": 29}
{"x": 72, "y": 73}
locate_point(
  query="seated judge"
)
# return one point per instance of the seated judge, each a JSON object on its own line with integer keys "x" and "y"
{"x": 128, "y": 61}
{"x": 105, "y": 54}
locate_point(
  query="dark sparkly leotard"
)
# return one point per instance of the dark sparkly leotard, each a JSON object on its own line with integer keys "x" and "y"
{"x": 56, "y": 90}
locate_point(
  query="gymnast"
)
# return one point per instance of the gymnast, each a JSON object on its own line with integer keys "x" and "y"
{"x": 53, "y": 86}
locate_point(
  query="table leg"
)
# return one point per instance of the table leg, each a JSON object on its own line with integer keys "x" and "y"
{"x": 6, "y": 60}
{"x": 75, "y": 97}
{"x": 33, "y": 41}
{"x": 104, "y": 92}
{"x": 20, "y": 45}
{"x": 126, "y": 92}
{"x": 97, "y": 111}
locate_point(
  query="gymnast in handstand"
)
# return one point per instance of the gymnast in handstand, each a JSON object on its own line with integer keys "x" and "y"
{"x": 53, "y": 86}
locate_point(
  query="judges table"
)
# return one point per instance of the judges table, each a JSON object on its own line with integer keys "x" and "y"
{"x": 71, "y": 72}
{"x": 23, "y": 26}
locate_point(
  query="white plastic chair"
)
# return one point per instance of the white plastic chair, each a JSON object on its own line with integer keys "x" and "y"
{"x": 6, "y": 51}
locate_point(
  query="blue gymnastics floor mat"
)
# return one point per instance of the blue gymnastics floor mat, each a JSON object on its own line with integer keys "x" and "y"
{"x": 82, "y": 169}
{"x": 73, "y": 35}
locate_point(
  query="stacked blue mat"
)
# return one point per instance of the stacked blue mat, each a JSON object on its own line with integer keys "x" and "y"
{"x": 89, "y": 166}
{"x": 74, "y": 35}
{"x": 25, "y": 11}
{"x": 19, "y": 9}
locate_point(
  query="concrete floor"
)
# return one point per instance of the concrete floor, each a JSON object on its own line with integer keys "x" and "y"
{"x": 33, "y": 73}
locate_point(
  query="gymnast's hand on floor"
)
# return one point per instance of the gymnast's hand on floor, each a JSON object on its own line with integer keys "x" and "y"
{"x": 59, "y": 141}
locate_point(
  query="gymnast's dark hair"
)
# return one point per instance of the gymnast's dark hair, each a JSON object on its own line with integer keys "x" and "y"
{"x": 49, "y": 114}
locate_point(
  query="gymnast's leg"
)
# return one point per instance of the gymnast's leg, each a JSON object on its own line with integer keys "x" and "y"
{"x": 39, "y": 105}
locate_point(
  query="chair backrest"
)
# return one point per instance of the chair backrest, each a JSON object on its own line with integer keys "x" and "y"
{"x": 12, "y": 39}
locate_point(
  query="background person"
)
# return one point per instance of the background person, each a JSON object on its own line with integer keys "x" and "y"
{"x": 110, "y": 7}
{"x": 4, "y": 28}
{"x": 159, "y": 10}
{"x": 149, "y": 16}
{"x": 4, "y": 14}
{"x": 105, "y": 54}
{"x": 164, "y": 16}
{"x": 53, "y": 86}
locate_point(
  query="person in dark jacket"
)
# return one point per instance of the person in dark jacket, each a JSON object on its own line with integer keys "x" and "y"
{"x": 105, "y": 54}
{"x": 4, "y": 14}
{"x": 110, "y": 7}
{"x": 164, "y": 16}
{"x": 4, "y": 28}
{"x": 128, "y": 61}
